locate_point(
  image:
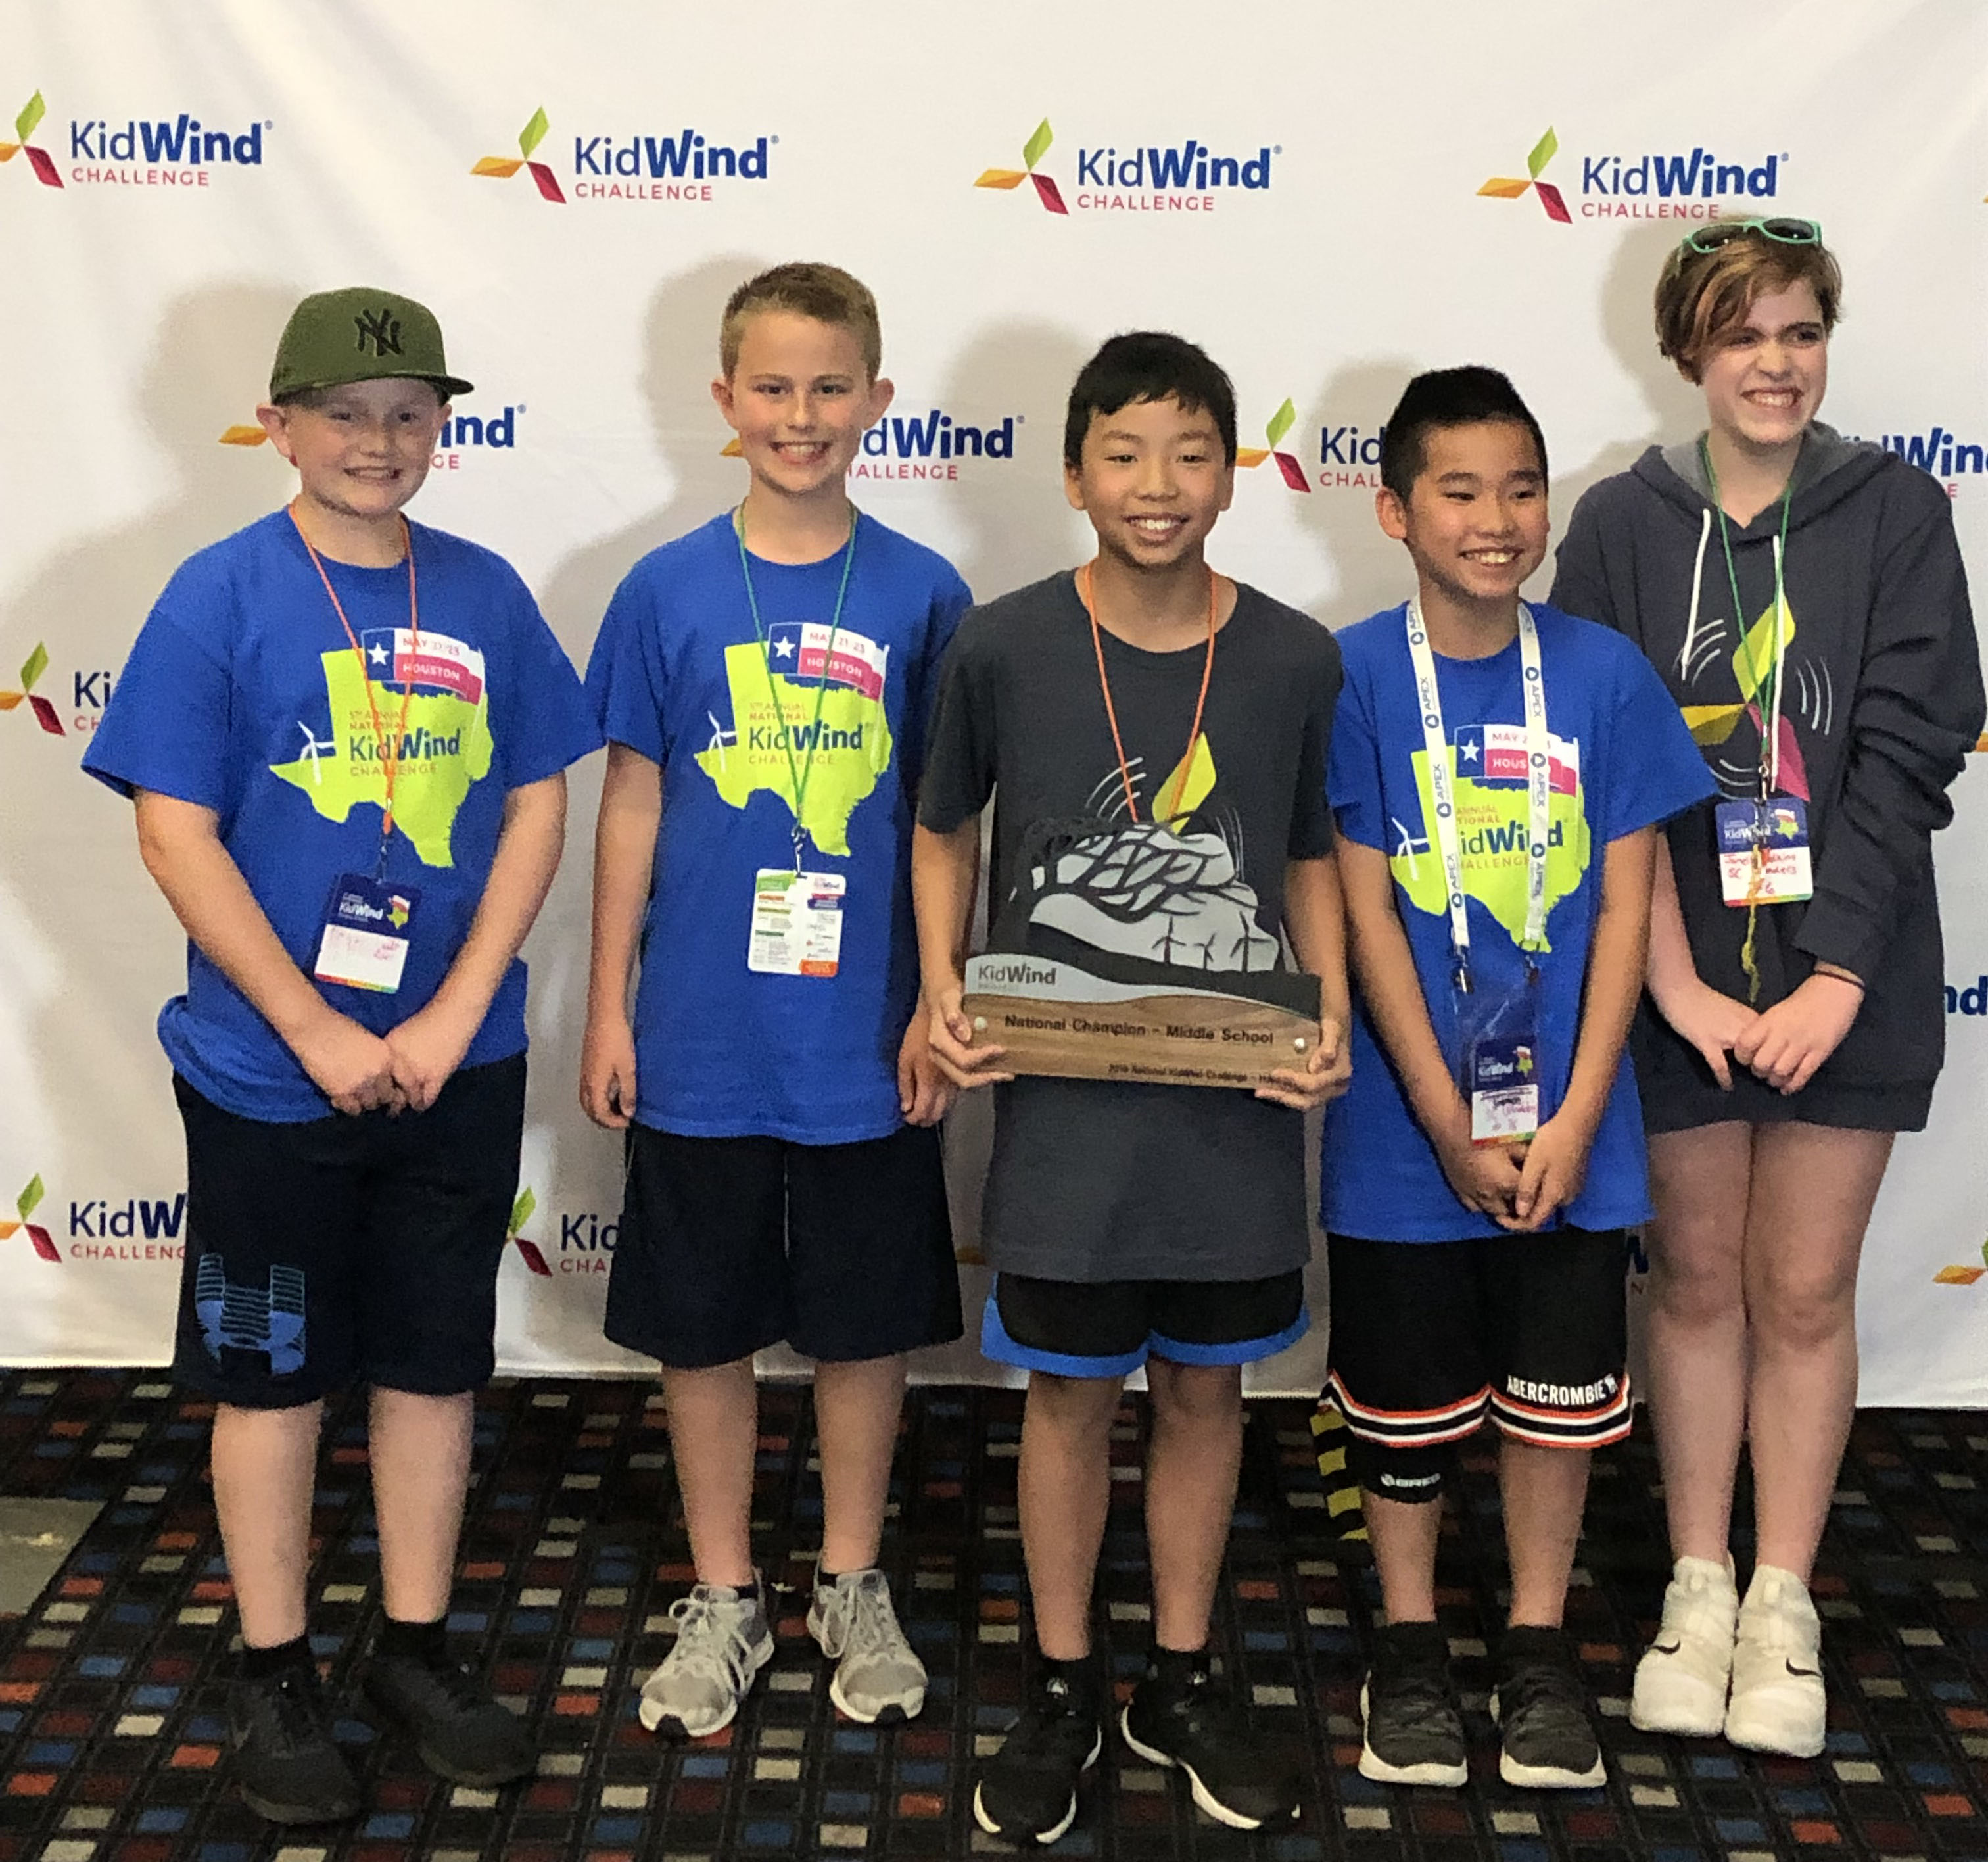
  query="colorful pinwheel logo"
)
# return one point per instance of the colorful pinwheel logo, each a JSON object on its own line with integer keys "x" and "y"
{"x": 1505, "y": 187}
{"x": 521, "y": 1212}
{"x": 1963, "y": 1276}
{"x": 38, "y": 159}
{"x": 31, "y": 669}
{"x": 1032, "y": 151}
{"x": 501, "y": 168}
{"x": 1753, "y": 669}
{"x": 24, "y": 1205}
{"x": 1281, "y": 423}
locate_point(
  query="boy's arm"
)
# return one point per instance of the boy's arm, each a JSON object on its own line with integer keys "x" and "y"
{"x": 1557, "y": 1160}
{"x": 945, "y": 869}
{"x": 624, "y": 853}
{"x": 429, "y": 1045}
{"x": 1315, "y": 922}
{"x": 1485, "y": 1177}
{"x": 180, "y": 842}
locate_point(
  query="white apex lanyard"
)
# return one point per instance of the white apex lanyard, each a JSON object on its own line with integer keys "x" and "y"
{"x": 1539, "y": 786}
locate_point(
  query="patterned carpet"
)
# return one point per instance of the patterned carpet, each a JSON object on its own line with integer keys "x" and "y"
{"x": 112, "y": 1687}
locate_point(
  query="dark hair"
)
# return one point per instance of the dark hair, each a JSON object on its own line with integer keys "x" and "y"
{"x": 1149, "y": 365}
{"x": 1447, "y": 398}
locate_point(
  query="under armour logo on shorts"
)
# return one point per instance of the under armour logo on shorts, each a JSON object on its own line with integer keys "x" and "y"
{"x": 252, "y": 1319}
{"x": 380, "y": 328}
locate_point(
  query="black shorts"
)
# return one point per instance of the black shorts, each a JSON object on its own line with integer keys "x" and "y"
{"x": 347, "y": 1249}
{"x": 730, "y": 1245}
{"x": 1428, "y": 1338}
{"x": 1109, "y": 1328}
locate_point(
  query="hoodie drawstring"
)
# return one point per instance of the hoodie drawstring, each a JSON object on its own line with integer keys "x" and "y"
{"x": 1697, "y": 582}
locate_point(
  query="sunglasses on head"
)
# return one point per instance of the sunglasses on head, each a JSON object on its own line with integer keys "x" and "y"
{"x": 1709, "y": 238}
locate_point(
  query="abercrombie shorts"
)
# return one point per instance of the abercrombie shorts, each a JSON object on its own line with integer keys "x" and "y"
{"x": 1109, "y": 1328}
{"x": 1429, "y": 1339}
{"x": 730, "y": 1245}
{"x": 347, "y": 1249}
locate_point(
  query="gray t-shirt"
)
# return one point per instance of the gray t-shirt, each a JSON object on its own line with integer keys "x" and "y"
{"x": 1095, "y": 1180}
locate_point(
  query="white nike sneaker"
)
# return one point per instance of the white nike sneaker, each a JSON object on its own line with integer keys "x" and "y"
{"x": 1777, "y": 1703}
{"x": 1681, "y": 1681}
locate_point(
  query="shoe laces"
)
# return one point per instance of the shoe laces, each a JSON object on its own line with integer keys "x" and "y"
{"x": 1418, "y": 1695}
{"x": 296, "y": 1704}
{"x": 710, "y": 1637}
{"x": 863, "y": 1614}
{"x": 1206, "y": 1705}
{"x": 1697, "y": 1612}
{"x": 1538, "y": 1680}
{"x": 1054, "y": 1718}
{"x": 458, "y": 1685}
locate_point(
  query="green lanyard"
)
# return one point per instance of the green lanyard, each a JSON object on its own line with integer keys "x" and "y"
{"x": 1769, "y": 703}
{"x": 798, "y": 772}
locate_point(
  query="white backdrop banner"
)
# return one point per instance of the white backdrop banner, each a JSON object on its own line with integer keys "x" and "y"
{"x": 1328, "y": 198}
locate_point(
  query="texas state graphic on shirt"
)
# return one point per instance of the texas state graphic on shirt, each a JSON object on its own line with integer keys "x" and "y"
{"x": 445, "y": 747}
{"x": 1488, "y": 784}
{"x": 774, "y": 696}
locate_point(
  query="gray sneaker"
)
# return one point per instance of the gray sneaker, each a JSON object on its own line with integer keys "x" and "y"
{"x": 877, "y": 1677}
{"x": 723, "y": 1640}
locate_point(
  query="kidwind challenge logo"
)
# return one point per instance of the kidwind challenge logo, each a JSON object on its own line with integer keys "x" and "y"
{"x": 1248, "y": 458}
{"x": 931, "y": 445}
{"x": 1186, "y": 176}
{"x": 1693, "y": 184}
{"x": 137, "y": 1228}
{"x": 178, "y": 151}
{"x": 586, "y": 1240}
{"x": 627, "y": 166}
{"x": 31, "y": 669}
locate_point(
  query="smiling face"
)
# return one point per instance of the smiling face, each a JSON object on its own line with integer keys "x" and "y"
{"x": 1763, "y": 379}
{"x": 361, "y": 450}
{"x": 1152, "y": 478}
{"x": 1475, "y": 520}
{"x": 799, "y": 397}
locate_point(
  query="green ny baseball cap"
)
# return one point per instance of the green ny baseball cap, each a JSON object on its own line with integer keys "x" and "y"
{"x": 361, "y": 334}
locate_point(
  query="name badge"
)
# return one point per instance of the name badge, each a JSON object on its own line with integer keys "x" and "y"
{"x": 1763, "y": 851}
{"x": 1501, "y": 1073}
{"x": 797, "y": 923}
{"x": 368, "y": 925}
{"x": 1504, "y": 1090}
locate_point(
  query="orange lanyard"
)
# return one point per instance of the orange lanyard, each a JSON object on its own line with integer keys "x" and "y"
{"x": 1103, "y": 680}
{"x": 390, "y": 756}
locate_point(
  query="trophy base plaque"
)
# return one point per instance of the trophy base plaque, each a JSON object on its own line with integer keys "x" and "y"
{"x": 1056, "y": 1018}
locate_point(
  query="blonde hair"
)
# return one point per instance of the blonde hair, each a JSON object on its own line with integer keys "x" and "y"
{"x": 825, "y": 293}
{"x": 1702, "y": 297}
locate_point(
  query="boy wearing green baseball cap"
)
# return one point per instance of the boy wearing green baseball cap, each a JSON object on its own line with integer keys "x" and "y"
{"x": 346, "y": 738}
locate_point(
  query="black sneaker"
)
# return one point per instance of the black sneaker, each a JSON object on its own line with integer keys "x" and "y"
{"x": 459, "y": 1731}
{"x": 1546, "y": 1738}
{"x": 1414, "y": 1733}
{"x": 1196, "y": 1723}
{"x": 285, "y": 1765}
{"x": 1027, "y": 1791}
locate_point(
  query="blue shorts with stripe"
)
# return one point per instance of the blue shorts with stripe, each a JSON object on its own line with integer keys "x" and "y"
{"x": 1109, "y": 1328}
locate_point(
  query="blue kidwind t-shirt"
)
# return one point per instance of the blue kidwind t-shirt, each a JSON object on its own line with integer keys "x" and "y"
{"x": 1621, "y": 760}
{"x": 243, "y": 694}
{"x": 678, "y": 675}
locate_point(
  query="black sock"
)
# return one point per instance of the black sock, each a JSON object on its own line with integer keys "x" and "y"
{"x": 1080, "y": 1677}
{"x": 259, "y": 1664}
{"x": 1176, "y": 1667}
{"x": 422, "y": 1642}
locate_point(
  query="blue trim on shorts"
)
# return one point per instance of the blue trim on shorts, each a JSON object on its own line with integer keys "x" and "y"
{"x": 995, "y": 1343}
{"x": 1244, "y": 1351}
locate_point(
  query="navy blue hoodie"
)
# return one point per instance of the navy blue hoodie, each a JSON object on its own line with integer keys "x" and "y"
{"x": 1882, "y": 690}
